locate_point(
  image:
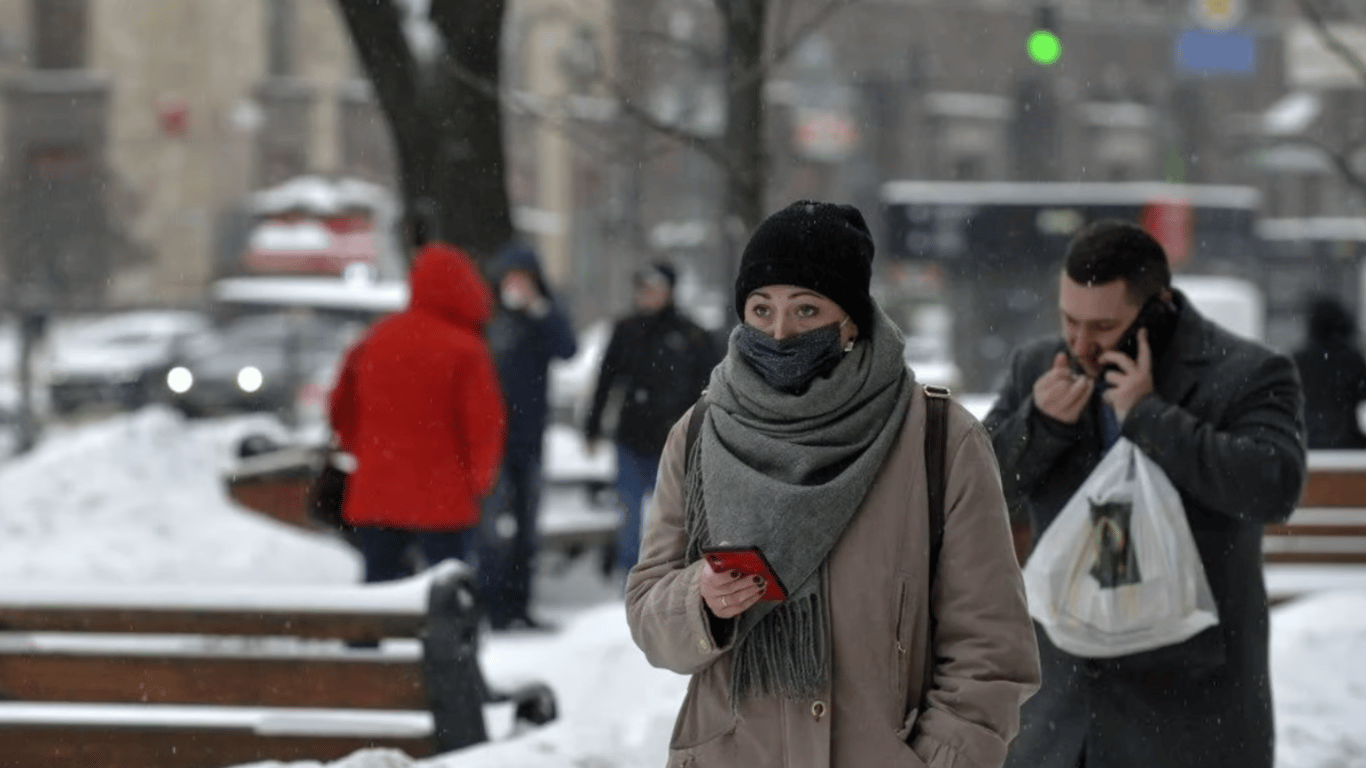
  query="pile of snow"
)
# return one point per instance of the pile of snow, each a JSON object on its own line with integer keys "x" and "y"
{"x": 140, "y": 500}
{"x": 1318, "y": 681}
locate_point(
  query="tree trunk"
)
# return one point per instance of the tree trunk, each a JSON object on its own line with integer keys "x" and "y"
{"x": 445, "y": 119}
{"x": 746, "y": 162}
{"x": 472, "y": 180}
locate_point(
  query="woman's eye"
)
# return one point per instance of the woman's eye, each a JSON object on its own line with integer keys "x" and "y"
{"x": 806, "y": 311}
{"x": 759, "y": 310}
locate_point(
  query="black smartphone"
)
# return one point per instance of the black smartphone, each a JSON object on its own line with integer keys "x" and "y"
{"x": 1159, "y": 318}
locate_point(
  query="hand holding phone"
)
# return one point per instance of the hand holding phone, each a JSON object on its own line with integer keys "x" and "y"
{"x": 748, "y": 561}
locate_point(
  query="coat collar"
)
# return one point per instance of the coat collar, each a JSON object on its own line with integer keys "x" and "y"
{"x": 1193, "y": 346}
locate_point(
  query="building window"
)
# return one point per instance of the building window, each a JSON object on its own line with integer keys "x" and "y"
{"x": 968, "y": 168}
{"x": 1311, "y": 195}
{"x": 280, "y": 28}
{"x": 59, "y": 30}
{"x": 55, "y": 163}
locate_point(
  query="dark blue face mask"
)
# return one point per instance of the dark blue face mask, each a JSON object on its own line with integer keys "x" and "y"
{"x": 790, "y": 365}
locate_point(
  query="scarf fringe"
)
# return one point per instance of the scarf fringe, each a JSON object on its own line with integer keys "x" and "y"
{"x": 784, "y": 655}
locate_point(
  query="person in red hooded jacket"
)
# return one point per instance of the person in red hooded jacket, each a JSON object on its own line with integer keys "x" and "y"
{"x": 417, "y": 402}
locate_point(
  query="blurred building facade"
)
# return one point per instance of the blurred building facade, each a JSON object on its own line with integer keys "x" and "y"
{"x": 183, "y": 108}
{"x": 133, "y": 129}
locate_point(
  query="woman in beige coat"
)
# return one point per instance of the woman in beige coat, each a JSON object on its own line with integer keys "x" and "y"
{"x": 811, "y": 447}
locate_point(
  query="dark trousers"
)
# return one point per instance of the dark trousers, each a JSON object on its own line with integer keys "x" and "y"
{"x": 635, "y": 480}
{"x": 386, "y": 550}
{"x": 508, "y": 538}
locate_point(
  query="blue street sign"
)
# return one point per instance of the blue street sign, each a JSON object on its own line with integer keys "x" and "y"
{"x": 1207, "y": 52}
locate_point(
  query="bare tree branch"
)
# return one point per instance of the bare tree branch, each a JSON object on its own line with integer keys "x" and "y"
{"x": 1340, "y": 158}
{"x": 1330, "y": 40}
{"x": 784, "y": 48}
{"x": 629, "y": 107}
{"x": 712, "y": 148}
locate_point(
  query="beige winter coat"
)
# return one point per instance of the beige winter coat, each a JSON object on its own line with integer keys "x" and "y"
{"x": 987, "y": 658}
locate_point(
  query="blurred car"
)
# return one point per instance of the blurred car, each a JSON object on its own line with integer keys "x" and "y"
{"x": 116, "y": 360}
{"x": 256, "y": 362}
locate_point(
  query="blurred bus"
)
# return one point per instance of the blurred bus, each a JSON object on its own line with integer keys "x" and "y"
{"x": 995, "y": 248}
{"x": 1306, "y": 256}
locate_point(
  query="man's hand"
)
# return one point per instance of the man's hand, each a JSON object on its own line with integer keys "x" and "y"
{"x": 1060, "y": 393}
{"x": 1134, "y": 379}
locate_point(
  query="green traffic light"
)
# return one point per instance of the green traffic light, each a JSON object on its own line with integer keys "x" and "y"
{"x": 1044, "y": 47}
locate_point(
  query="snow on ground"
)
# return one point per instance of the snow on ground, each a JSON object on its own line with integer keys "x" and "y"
{"x": 139, "y": 499}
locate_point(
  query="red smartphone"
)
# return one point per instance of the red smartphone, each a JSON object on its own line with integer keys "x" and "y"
{"x": 749, "y": 561}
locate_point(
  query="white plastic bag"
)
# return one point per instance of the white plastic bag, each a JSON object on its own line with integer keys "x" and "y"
{"x": 1117, "y": 572}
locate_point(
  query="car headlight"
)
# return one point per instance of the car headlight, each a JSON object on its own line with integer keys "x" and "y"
{"x": 179, "y": 379}
{"x": 250, "y": 379}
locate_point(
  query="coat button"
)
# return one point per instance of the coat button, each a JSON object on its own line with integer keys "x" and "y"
{"x": 818, "y": 709}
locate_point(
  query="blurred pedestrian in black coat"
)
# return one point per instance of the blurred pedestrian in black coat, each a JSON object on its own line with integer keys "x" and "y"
{"x": 1333, "y": 373}
{"x": 657, "y": 363}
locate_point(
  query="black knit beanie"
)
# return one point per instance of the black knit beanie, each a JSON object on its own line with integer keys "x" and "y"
{"x": 821, "y": 246}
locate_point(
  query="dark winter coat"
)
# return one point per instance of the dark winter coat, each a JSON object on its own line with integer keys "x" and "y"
{"x": 658, "y": 365}
{"x": 1225, "y": 426}
{"x": 1333, "y": 371}
{"x": 523, "y": 345}
{"x": 417, "y": 403}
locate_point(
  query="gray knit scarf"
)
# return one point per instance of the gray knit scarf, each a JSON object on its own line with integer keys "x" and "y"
{"x": 787, "y": 473}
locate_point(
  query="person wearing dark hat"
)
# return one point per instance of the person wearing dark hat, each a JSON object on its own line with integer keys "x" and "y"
{"x": 891, "y": 644}
{"x": 655, "y": 366}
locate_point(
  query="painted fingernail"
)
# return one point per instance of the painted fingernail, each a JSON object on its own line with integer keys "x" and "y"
{"x": 759, "y": 580}
{"x": 735, "y": 574}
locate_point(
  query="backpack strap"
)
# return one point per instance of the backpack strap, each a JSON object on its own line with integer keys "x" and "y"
{"x": 936, "y": 448}
{"x": 936, "y": 439}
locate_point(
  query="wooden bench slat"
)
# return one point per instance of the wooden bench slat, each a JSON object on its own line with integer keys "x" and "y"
{"x": 132, "y": 677}
{"x": 347, "y": 626}
{"x": 1316, "y": 556}
{"x": 1334, "y": 488}
{"x": 1316, "y": 529}
{"x": 80, "y": 747}
{"x": 364, "y": 682}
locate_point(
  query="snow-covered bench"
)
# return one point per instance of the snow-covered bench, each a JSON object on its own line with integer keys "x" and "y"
{"x": 208, "y": 676}
{"x": 275, "y": 483}
{"x": 1323, "y": 545}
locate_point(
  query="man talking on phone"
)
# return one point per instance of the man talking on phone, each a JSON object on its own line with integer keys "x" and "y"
{"x": 1222, "y": 417}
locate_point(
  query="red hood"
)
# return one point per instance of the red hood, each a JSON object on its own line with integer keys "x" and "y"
{"x": 445, "y": 281}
